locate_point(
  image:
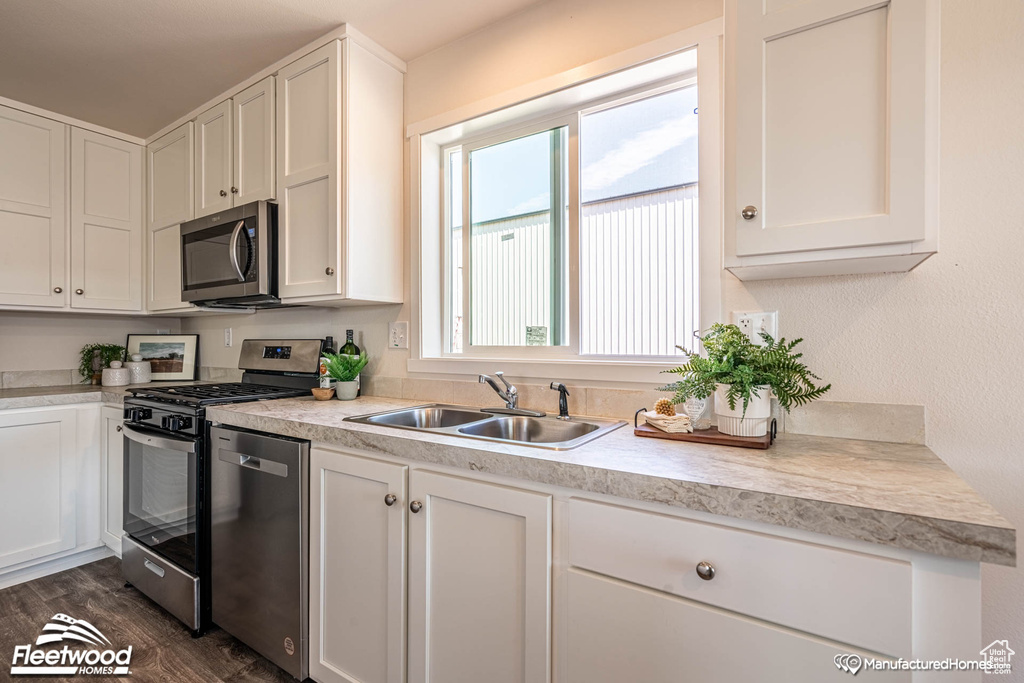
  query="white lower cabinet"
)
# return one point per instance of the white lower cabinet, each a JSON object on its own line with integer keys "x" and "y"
{"x": 621, "y": 632}
{"x": 111, "y": 477}
{"x": 38, "y": 483}
{"x": 357, "y": 568}
{"x": 479, "y": 582}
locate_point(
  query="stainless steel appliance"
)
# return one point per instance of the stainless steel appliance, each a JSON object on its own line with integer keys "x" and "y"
{"x": 166, "y": 547}
{"x": 260, "y": 531}
{"x": 228, "y": 260}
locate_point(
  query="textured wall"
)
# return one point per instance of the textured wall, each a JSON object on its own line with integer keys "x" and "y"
{"x": 947, "y": 335}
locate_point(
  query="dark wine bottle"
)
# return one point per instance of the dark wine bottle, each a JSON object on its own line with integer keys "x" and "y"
{"x": 328, "y": 347}
{"x": 350, "y": 349}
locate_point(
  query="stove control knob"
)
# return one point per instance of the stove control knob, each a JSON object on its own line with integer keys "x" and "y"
{"x": 174, "y": 423}
{"x": 137, "y": 414}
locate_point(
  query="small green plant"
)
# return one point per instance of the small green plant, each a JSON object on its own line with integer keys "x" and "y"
{"x": 345, "y": 368}
{"x": 733, "y": 360}
{"x": 108, "y": 353}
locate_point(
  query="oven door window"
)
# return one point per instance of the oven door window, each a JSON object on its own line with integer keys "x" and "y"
{"x": 160, "y": 497}
{"x": 208, "y": 260}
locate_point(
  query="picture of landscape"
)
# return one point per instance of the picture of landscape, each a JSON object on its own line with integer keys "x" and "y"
{"x": 164, "y": 356}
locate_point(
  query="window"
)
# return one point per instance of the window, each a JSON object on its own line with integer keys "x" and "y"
{"x": 636, "y": 267}
{"x": 566, "y": 227}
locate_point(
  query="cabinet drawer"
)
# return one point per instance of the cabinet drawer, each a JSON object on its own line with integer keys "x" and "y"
{"x": 845, "y": 596}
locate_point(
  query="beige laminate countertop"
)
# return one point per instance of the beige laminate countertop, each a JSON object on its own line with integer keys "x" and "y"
{"x": 900, "y": 495}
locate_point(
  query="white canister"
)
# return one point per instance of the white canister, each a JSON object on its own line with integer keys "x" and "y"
{"x": 115, "y": 375}
{"x": 140, "y": 371}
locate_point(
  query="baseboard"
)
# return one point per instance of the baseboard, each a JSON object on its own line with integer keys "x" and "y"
{"x": 47, "y": 567}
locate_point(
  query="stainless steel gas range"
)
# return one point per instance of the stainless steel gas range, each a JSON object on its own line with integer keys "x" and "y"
{"x": 165, "y": 551}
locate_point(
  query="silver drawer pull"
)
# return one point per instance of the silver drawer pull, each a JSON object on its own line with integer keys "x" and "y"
{"x": 155, "y": 568}
{"x": 706, "y": 570}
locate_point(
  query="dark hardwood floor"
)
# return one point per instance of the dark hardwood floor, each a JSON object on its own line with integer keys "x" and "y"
{"x": 162, "y": 648}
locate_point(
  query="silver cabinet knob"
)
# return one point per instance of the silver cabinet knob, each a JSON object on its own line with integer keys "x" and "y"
{"x": 223, "y": 193}
{"x": 118, "y": 427}
{"x": 57, "y": 290}
{"x": 706, "y": 570}
{"x": 415, "y": 506}
{"x": 79, "y": 291}
{"x": 329, "y": 270}
{"x": 234, "y": 190}
{"x": 748, "y": 212}
{"x": 390, "y": 499}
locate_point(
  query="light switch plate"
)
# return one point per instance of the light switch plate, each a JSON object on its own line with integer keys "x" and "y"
{"x": 398, "y": 335}
{"x": 227, "y": 336}
{"x": 753, "y": 323}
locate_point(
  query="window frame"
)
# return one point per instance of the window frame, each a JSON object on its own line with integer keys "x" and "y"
{"x": 429, "y": 342}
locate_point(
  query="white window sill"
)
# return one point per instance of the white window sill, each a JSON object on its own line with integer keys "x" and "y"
{"x": 552, "y": 369}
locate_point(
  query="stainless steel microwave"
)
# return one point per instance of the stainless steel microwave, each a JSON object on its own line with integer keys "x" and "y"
{"x": 229, "y": 259}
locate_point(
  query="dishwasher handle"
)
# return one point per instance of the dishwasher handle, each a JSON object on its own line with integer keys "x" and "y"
{"x": 278, "y": 469}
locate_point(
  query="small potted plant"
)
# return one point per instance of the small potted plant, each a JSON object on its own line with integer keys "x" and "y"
{"x": 95, "y": 357}
{"x": 344, "y": 369}
{"x": 743, "y": 377}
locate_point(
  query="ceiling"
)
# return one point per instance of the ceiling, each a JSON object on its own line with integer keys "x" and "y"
{"x": 137, "y": 65}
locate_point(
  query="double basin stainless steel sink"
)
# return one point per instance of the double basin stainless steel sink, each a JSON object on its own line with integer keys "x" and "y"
{"x": 474, "y": 423}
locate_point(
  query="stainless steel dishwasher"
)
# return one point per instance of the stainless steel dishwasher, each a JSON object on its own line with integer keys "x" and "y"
{"x": 259, "y": 494}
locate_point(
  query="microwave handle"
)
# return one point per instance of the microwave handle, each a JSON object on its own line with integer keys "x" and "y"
{"x": 234, "y": 250}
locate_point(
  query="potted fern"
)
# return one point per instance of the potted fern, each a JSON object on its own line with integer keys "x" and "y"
{"x": 743, "y": 377}
{"x": 344, "y": 369}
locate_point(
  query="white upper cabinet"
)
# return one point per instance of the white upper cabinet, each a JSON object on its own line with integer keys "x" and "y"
{"x": 339, "y": 176}
{"x": 164, "y": 268}
{"x": 169, "y": 174}
{"x": 831, "y": 136}
{"x": 234, "y": 150}
{"x": 254, "y": 167}
{"x": 32, "y": 210}
{"x": 213, "y": 157}
{"x": 106, "y": 222}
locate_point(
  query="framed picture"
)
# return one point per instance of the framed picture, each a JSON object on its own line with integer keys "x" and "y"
{"x": 173, "y": 356}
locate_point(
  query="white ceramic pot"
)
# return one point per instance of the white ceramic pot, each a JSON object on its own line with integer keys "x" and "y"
{"x": 141, "y": 371}
{"x": 346, "y": 391}
{"x": 734, "y": 422}
{"x": 115, "y": 375}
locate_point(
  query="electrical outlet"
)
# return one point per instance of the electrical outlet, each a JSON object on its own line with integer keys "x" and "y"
{"x": 227, "y": 336}
{"x": 398, "y": 335}
{"x": 753, "y": 323}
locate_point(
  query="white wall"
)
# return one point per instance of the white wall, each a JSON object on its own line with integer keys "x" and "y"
{"x": 947, "y": 335}
{"x": 53, "y": 341}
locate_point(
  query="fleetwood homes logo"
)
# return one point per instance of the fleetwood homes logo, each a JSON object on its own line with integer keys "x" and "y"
{"x": 99, "y": 658}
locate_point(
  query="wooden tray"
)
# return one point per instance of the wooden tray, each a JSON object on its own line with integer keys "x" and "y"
{"x": 712, "y": 436}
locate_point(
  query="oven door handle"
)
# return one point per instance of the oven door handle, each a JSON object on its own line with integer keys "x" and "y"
{"x": 234, "y": 250}
{"x": 156, "y": 441}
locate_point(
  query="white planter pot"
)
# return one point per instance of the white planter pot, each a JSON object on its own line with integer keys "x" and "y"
{"x": 346, "y": 391}
{"x": 734, "y": 422}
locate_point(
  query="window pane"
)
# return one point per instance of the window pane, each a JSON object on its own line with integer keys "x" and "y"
{"x": 517, "y": 248}
{"x": 638, "y": 227}
{"x": 454, "y": 287}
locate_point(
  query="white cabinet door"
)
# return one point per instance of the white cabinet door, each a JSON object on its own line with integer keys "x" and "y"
{"x": 619, "y": 632}
{"x": 254, "y": 170}
{"x": 357, "y": 569}
{"x": 106, "y": 222}
{"x": 169, "y": 176}
{"x": 38, "y": 470}
{"x": 479, "y": 582}
{"x": 833, "y": 111}
{"x": 32, "y": 219}
{"x": 111, "y": 477}
{"x": 164, "y": 260}
{"x": 213, "y": 158}
{"x": 309, "y": 174}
